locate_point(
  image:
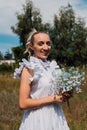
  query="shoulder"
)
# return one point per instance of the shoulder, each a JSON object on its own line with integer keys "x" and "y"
{"x": 27, "y": 71}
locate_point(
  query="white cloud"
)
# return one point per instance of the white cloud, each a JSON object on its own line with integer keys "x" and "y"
{"x": 50, "y": 7}
{"x": 8, "y": 11}
{"x": 47, "y": 9}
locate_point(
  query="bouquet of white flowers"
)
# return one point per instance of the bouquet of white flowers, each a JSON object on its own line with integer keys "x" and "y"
{"x": 67, "y": 80}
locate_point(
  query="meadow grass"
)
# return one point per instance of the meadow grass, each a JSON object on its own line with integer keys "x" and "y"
{"x": 11, "y": 115}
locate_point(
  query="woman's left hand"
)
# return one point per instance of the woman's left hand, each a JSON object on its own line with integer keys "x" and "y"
{"x": 66, "y": 96}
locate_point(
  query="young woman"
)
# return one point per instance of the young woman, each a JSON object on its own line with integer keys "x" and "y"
{"x": 41, "y": 104}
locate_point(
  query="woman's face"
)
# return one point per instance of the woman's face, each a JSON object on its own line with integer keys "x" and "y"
{"x": 41, "y": 46}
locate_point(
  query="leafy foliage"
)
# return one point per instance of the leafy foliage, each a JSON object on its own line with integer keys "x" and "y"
{"x": 29, "y": 19}
{"x": 18, "y": 53}
{"x": 69, "y": 37}
{"x": 1, "y": 56}
{"x": 8, "y": 55}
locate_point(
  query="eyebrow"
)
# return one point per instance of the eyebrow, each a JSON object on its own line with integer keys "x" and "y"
{"x": 43, "y": 41}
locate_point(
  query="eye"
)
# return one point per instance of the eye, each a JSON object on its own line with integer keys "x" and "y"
{"x": 48, "y": 43}
{"x": 40, "y": 43}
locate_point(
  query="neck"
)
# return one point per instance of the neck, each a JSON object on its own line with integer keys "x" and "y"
{"x": 39, "y": 58}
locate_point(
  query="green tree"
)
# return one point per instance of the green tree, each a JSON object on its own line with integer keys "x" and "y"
{"x": 25, "y": 22}
{"x": 1, "y": 56}
{"x": 18, "y": 53}
{"x": 8, "y": 55}
{"x": 69, "y": 37}
{"x": 30, "y": 18}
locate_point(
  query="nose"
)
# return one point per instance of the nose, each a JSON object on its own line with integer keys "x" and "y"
{"x": 45, "y": 47}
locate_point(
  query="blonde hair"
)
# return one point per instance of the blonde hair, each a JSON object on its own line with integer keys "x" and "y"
{"x": 30, "y": 41}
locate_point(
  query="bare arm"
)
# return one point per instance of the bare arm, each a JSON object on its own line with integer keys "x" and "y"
{"x": 25, "y": 101}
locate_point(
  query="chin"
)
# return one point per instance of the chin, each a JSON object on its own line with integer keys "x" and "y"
{"x": 44, "y": 57}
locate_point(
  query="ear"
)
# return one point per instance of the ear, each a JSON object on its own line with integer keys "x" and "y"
{"x": 31, "y": 46}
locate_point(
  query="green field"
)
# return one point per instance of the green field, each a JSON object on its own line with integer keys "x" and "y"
{"x": 11, "y": 115}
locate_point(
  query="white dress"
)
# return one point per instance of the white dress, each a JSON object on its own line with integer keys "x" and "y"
{"x": 49, "y": 117}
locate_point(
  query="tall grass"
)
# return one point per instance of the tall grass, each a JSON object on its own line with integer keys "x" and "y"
{"x": 11, "y": 115}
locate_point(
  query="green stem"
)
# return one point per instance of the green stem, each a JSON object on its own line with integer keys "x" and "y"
{"x": 68, "y": 104}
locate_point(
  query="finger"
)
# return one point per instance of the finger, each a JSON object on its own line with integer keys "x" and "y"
{"x": 61, "y": 98}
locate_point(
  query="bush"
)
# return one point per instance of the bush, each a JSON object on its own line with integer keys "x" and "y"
{"x": 6, "y": 68}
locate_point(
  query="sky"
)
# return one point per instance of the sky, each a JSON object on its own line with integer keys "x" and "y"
{"x": 48, "y": 8}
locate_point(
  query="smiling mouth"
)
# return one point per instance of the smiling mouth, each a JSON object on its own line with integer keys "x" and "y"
{"x": 45, "y": 53}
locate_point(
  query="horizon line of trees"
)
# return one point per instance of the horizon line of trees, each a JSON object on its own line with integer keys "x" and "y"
{"x": 7, "y": 56}
{"x": 68, "y": 34}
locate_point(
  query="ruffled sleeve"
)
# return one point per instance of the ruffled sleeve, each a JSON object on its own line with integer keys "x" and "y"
{"x": 54, "y": 65}
{"x": 22, "y": 64}
{"x": 55, "y": 68}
